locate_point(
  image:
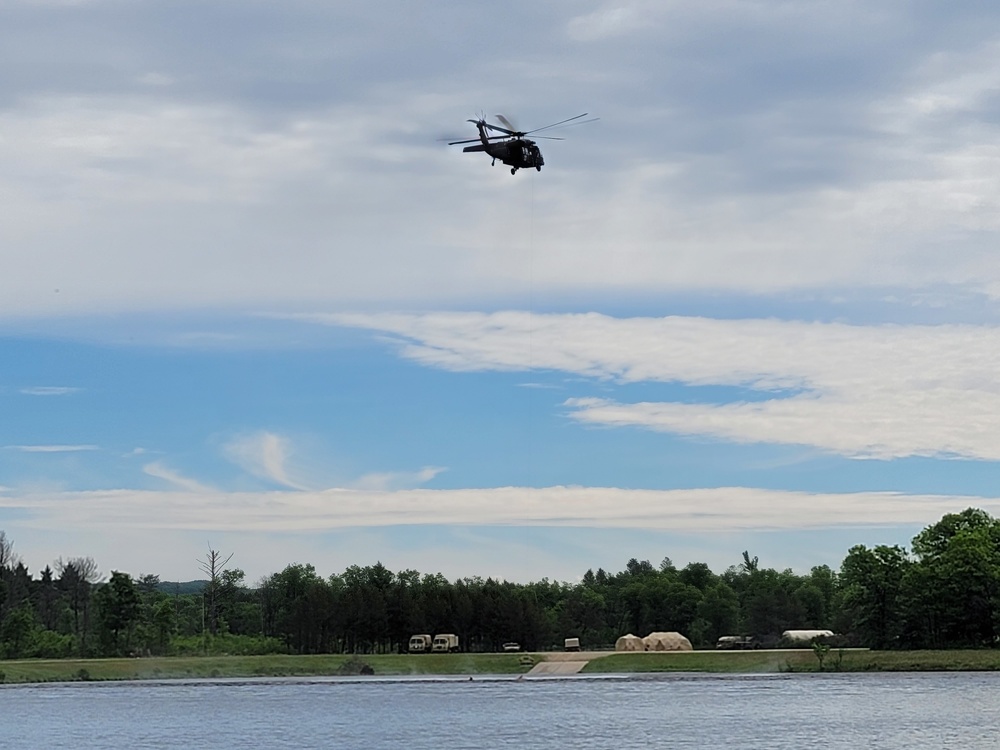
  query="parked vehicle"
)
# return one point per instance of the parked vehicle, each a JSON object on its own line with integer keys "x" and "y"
{"x": 733, "y": 642}
{"x": 445, "y": 643}
{"x": 797, "y": 638}
{"x": 572, "y": 644}
{"x": 420, "y": 644}
{"x": 511, "y": 646}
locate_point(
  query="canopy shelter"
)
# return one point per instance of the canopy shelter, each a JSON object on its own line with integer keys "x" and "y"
{"x": 630, "y": 643}
{"x": 667, "y": 642}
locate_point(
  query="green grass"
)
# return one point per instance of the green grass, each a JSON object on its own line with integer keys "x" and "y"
{"x": 62, "y": 670}
{"x": 920, "y": 661}
{"x": 703, "y": 661}
{"x": 859, "y": 660}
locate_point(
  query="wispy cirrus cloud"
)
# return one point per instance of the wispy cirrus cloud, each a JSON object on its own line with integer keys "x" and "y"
{"x": 49, "y": 390}
{"x": 722, "y": 509}
{"x": 51, "y": 448}
{"x": 883, "y": 391}
{"x": 396, "y": 480}
{"x": 160, "y": 471}
{"x": 264, "y": 455}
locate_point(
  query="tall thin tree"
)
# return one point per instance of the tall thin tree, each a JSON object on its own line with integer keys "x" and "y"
{"x": 213, "y": 566}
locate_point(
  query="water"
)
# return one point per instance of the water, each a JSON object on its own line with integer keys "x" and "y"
{"x": 776, "y": 712}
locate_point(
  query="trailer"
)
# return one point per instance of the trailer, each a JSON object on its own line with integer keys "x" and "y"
{"x": 805, "y": 636}
{"x": 737, "y": 642}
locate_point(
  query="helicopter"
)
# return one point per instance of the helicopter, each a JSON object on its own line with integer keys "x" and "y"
{"x": 512, "y": 148}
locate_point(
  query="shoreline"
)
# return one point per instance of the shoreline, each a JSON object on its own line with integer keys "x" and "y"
{"x": 27, "y": 671}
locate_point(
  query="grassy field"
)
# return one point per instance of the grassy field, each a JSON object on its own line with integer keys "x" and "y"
{"x": 61, "y": 670}
{"x": 860, "y": 660}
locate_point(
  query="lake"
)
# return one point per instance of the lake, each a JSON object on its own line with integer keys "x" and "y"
{"x": 776, "y": 712}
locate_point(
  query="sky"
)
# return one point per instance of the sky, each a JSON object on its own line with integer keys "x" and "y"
{"x": 251, "y": 301}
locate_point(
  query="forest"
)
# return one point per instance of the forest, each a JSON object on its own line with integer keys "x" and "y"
{"x": 944, "y": 592}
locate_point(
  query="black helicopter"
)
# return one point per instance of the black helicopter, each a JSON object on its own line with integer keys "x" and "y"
{"x": 512, "y": 148}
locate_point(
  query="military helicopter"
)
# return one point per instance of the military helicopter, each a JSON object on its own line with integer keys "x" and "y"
{"x": 512, "y": 148}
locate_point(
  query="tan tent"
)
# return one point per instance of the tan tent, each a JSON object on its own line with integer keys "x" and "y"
{"x": 630, "y": 643}
{"x": 667, "y": 642}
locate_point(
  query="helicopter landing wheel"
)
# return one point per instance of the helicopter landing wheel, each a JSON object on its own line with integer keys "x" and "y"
{"x": 513, "y": 170}
{"x": 539, "y": 169}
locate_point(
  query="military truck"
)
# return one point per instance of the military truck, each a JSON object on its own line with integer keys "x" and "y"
{"x": 445, "y": 643}
{"x": 737, "y": 642}
{"x": 421, "y": 644}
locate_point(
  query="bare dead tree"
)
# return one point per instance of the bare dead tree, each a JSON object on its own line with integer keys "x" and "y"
{"x": 213, "y": 566}
{"x": 8, "y": 561}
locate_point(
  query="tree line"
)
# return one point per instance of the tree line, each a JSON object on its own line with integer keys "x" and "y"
{"x": 942, "y": 593}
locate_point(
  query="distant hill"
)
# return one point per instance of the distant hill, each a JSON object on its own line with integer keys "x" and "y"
{"x": 181, "y": 587}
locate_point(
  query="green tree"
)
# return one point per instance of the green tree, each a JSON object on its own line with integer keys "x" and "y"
{"x": 297, "y": 607}
{"x": 872, "y": 581}
{"x": 164, "y": 621}
{"x": 768, "y": 605}
{"x": 699, "y": 575}
{"x": 719, "y": 609}
{"x": 935, "y": 539}
{"x": 8, "y": 560}
{"x": 954, "y": 592}
{"x": 16, "y": 631}
{"x": 77, "y": 577}
{"x": 118, "y": 607}
{"x": 48, "y": 600}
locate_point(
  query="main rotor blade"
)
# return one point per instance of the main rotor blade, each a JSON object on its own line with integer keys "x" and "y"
{"x": 563, "y": 122}
{"x": 479, "y": 140}
{"x": 505, "y": 122}
{"x": 502, "y": 130}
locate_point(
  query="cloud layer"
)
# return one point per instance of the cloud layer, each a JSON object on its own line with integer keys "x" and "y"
{"x": 723, "y": 510}
{"x": 244, "y": 157}
{"x": 754, "y": 146}
{"x": 51, "y": 448}
{"x": 861, "y": 391}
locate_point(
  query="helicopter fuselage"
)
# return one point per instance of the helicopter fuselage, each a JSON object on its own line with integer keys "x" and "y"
{"x": 517, "y": 153}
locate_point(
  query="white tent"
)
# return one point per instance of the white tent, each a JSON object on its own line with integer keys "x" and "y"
{"x": 666, "y": 642}
{"x": 805, "y": 635}
{"x": 630, "y": 643}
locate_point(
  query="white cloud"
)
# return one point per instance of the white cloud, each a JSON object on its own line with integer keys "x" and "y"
{"x": 395, "y": 480}
{"x": 160, "y": 471}
{"x": 125, "y": 201}
{"x": 724, "y": 509}
{"x": 51, "y": 448}
{"x": 49, "y": 390}
{"x": 264, "y": 455}
{"x": 607, "y": 22}
{"x": 156, "y": 79}
{"x": 865, "y": 391}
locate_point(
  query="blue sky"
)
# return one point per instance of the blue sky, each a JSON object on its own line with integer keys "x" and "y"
{"x": 249, "y": 300}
